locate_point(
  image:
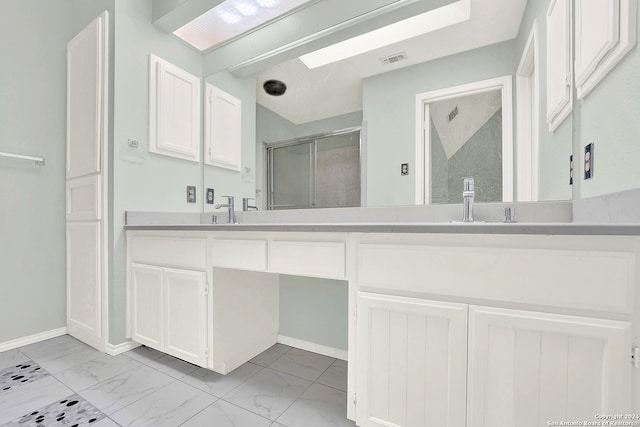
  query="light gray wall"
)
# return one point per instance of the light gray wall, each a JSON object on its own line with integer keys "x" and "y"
{"x": 226, "y": 181}
{"x": 555, "y": 147}
{"x": 159, "y": 183}
{"x": 389, "y": 110}
{"x": 33, "y": 41}
{"x": 314, "y": 310}
{"x": 609, "y": 116}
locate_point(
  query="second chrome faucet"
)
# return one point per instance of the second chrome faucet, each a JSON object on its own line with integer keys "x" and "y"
{"x": 230, "y": 208}
{"x": 468, "y": 194}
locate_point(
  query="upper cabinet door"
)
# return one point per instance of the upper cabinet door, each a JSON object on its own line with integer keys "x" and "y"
{"x": 605, "y": 32}
{"x": 85, "y": 98}
{"x": 174, "y": 111}
{"x": 223, "y": 129}
{"x": 559, "y": 87}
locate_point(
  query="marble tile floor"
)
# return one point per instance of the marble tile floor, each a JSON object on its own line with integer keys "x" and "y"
{"x": 63, "y": 382}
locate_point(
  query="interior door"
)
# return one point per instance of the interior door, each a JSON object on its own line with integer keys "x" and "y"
{"x": 86, "y": 160}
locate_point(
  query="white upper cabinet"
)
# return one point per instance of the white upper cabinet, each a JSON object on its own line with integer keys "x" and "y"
{"x": 174, "y": 111}
{"x": 559, "y": 86}
{"x": 222, "y": 132}
{"x": 605, "y": 32}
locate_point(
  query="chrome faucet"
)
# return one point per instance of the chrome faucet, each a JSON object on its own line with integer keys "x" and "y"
{"x": 229, "y": 206}
{"x": 468, "y": 193}
{"x": 246, "y": 206}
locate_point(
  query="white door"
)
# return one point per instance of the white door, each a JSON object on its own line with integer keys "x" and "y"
{"x": 146, "y": 300}
{"x": 86, "y": 191}
{"x": 412, "y": 362}
{"x": 185, "y": 302}
{"x": 83, "y": 281}
{"x": 530, "y": 369}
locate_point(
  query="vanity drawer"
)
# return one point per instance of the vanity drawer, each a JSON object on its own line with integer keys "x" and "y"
{"x": 321, "y": 259}
{"x": 240, "y": 254}
{"x": 580, "y": 279}
{"x": 182, "y": 252}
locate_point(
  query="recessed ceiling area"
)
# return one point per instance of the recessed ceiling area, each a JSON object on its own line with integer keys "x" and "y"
{"x": 336, "y": 88}
{"x": 232, "y": 18}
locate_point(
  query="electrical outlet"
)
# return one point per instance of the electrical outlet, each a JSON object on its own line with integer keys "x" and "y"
{"x": 571, "y": 169}
{"x": 588, "y": 161}
{"x": 191, "y": 193}
{"x": 210, "y": 196}
{"x": 404, "y": 169}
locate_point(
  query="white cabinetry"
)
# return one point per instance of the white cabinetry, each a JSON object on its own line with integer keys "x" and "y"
{"x": 169, "y": 311}
{"x": 223, "y": 129}
{"x": 559, "y": 67}
{"x": 528, "y": 368}
{"x": 412, "y": 358}
{"x": 605, "y": 32}
{"x": 174, "y": 111}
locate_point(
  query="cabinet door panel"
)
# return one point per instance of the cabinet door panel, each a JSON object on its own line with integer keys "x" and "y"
{"x": 84, "y": 285}
{"x": 223, "y": 125}
{"x": 411, "y": 361}
{"x": 559, "y": 97}
{"x": 146, "y": 305}
{"x": 527, "y": 368}
{"x": 186, "y": 315}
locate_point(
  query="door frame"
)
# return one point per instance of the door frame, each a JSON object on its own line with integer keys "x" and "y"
{"x": 423, "y": 133}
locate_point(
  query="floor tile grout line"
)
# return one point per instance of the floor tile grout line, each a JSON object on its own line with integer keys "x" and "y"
{"x": 199, "y": 412}
{"x": 235, "y": 387}
{"x": 99, "y": 382}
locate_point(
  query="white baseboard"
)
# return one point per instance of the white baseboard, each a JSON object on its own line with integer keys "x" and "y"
{"x": 31, "y": 339}
{"x": 114, "y": 350}
{"x": 313, "y": 347}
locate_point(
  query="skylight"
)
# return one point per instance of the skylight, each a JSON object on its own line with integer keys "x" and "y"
{"x": 232, "y": 18}
{"x": 432, "y": 20}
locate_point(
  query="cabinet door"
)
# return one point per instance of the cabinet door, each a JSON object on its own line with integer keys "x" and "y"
{"x": 146, "y": 305}
{"x": 559, "y": 86}
{"x": 174, "y": 111}
{"x": 412, "y": 362}
{"x": 222, "y": 132}
{"x": 186, "y": 315}
{"x": 528, "y": 369}
{"x": 84, "y": 284}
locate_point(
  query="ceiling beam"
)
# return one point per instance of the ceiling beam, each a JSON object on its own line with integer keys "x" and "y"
{"x": 170, "y": 15}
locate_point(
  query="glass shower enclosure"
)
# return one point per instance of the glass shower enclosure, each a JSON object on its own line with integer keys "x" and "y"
{"x": 319, "y": 171}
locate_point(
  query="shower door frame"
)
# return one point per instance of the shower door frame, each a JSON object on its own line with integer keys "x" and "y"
{"x": 268, "y": 148}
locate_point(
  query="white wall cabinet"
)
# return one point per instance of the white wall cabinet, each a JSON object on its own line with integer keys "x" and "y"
{"x": 223, "y": 129}
{"x": 174, "y": 111}
{"x": 169, "y": 311}
{"x": 412, "y": 362}
{"x": 528, "y": 368}
{"x": 605, "y": 32}
{"x": 559, "y": 63}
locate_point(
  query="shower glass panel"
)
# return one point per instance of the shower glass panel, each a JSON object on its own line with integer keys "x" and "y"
{"x": 291, "y": 176}
{"x": 321, "y": 171}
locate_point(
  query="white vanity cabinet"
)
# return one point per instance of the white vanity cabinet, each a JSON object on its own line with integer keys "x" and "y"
{"x": 553, "y": 354}
{"x": 169, "y": 311}
{"x": 168, "y": 293}
{"x": 412, "y": 361}
{"x": 530, "y": 368}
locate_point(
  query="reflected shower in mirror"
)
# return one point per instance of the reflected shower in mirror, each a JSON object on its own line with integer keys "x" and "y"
{"x": 321, "y": 171}
{"x": 466, "y": 140}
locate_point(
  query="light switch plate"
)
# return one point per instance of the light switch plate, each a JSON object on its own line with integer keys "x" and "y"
{"x": 404, "y": 169}
{"x": 588, "y": 161}
{"x": 191, "y": 193}
{"x": 571, "y": 169}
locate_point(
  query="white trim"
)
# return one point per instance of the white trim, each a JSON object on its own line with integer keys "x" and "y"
{"x": 423, "y": 140}
{"x": 313, "y": 347}
{"x": 114, "y": 350}
{"x": 31, "y": 339}
{"x": 528, "y": 129}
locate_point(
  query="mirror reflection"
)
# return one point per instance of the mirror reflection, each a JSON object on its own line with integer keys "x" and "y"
{"x": 406, "y": 158}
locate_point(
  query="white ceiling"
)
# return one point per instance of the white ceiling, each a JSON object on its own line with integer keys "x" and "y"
{"x": 336, "y": 88}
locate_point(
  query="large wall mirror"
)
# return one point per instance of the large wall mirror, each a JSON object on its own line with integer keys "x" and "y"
{"x": 376, "y": 91}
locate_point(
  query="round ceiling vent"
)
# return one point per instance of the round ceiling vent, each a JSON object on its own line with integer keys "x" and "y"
{"x": 274, "y": 87}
